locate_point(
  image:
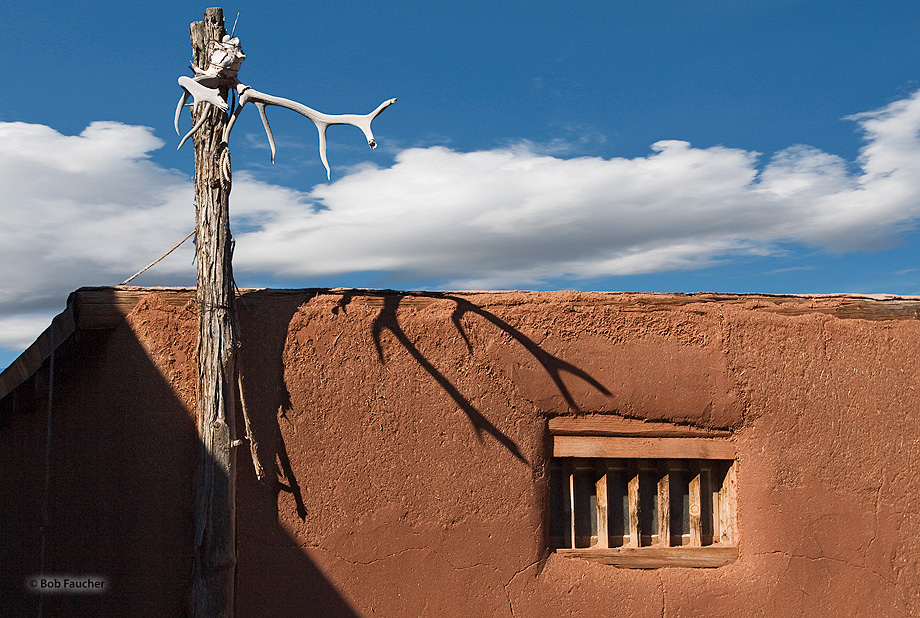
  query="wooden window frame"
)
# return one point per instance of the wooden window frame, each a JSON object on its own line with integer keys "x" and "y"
{"x": 601, "y": 445}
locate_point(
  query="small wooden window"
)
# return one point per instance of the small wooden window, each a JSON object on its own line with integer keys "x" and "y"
{"x": 643, "y": 495}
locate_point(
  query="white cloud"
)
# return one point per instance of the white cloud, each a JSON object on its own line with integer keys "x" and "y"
{"x": 514, "y": 217}
{"x": 20, "y": 330}
{"x": 79, "y": 210}
{"x": 92, "y": 209}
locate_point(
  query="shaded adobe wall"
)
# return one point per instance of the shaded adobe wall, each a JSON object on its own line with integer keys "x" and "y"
{"x": 123, "y": 447}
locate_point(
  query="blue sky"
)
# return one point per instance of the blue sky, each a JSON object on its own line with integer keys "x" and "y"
{"x": 733, "y": 146}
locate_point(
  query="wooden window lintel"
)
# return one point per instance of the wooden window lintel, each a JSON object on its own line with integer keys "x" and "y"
{"x": 645, "y": 448}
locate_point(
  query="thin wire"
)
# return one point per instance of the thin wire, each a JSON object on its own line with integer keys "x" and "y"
{"x": 153, "y": 263}
{"x": 46, "y": 499}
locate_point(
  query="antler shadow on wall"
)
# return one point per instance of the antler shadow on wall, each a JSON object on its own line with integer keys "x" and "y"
{"x": 263, "y": 372}
{"x": 261, "y": 366}
{"x": 266, "y": 318}
{"x": 387, "y": 319}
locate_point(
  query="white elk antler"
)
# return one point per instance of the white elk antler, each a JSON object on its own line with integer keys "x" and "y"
{"x": 225, "y": 62}
{"x": 321, "y": 120}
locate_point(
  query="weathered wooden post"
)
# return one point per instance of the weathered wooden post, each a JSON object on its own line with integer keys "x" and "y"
{"x": 216, "y": 61}
{"x": 215, "y": 546}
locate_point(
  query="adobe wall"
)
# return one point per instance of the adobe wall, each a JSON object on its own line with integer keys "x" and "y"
{"x": 408, "y": 435}
{"x": 414, "y": 507}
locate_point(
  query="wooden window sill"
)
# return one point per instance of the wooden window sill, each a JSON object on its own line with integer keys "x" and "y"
{"x": 657, "y": 557}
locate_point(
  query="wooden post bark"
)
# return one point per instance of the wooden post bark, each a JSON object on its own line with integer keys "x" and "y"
{"x": 215, "y": 543}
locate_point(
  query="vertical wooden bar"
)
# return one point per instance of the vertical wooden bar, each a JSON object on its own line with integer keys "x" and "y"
{"x": 716, "y": 481}
{"x": 603, "y": 534}
{"x": 696, "y": 532}
{"x": 632, "y": 469}
{"x": 706, "y": 474}
{"x": 568, "y": 500}
{"x": 727, "y": 499}
{"x": 664, "y": 503}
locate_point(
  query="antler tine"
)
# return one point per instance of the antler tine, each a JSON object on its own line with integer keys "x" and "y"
{"x": 182, "y": 100}
{"x": 192, "y": 132}
{"x": 364, "y": 122}
{"x": 268, "y": 129}
{"x": 236, "y": 113}
{"x": 321, "y": 129}
{"x": 244, "y": 97}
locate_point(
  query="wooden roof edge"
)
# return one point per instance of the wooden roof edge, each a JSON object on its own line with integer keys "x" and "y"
{"x": 107, "y": 307}
{"x": 87, "y": 308}
{"x": 31, "y": 360}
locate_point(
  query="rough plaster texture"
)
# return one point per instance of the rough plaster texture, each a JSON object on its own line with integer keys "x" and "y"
{"x": 407, "y": 434}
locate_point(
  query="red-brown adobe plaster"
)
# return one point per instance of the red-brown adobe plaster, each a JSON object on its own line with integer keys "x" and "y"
{"x": 410, "y": 513}
{"x": 415, "y": 428}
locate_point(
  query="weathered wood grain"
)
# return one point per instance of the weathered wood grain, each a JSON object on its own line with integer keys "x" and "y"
{"x": 642, "y": 448}
{"x": 696, "y": 519}
{"x": 603, "y": 531}
{"x": 727, "y": 498}
{"x": 608, "y": 425}
{"x": 568, "y": 483}
{"x": 664, "y": 503}
{"x": 635, "y": 506}
{"x": 657, "y": 557}
{"x": 215, "y": 545}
